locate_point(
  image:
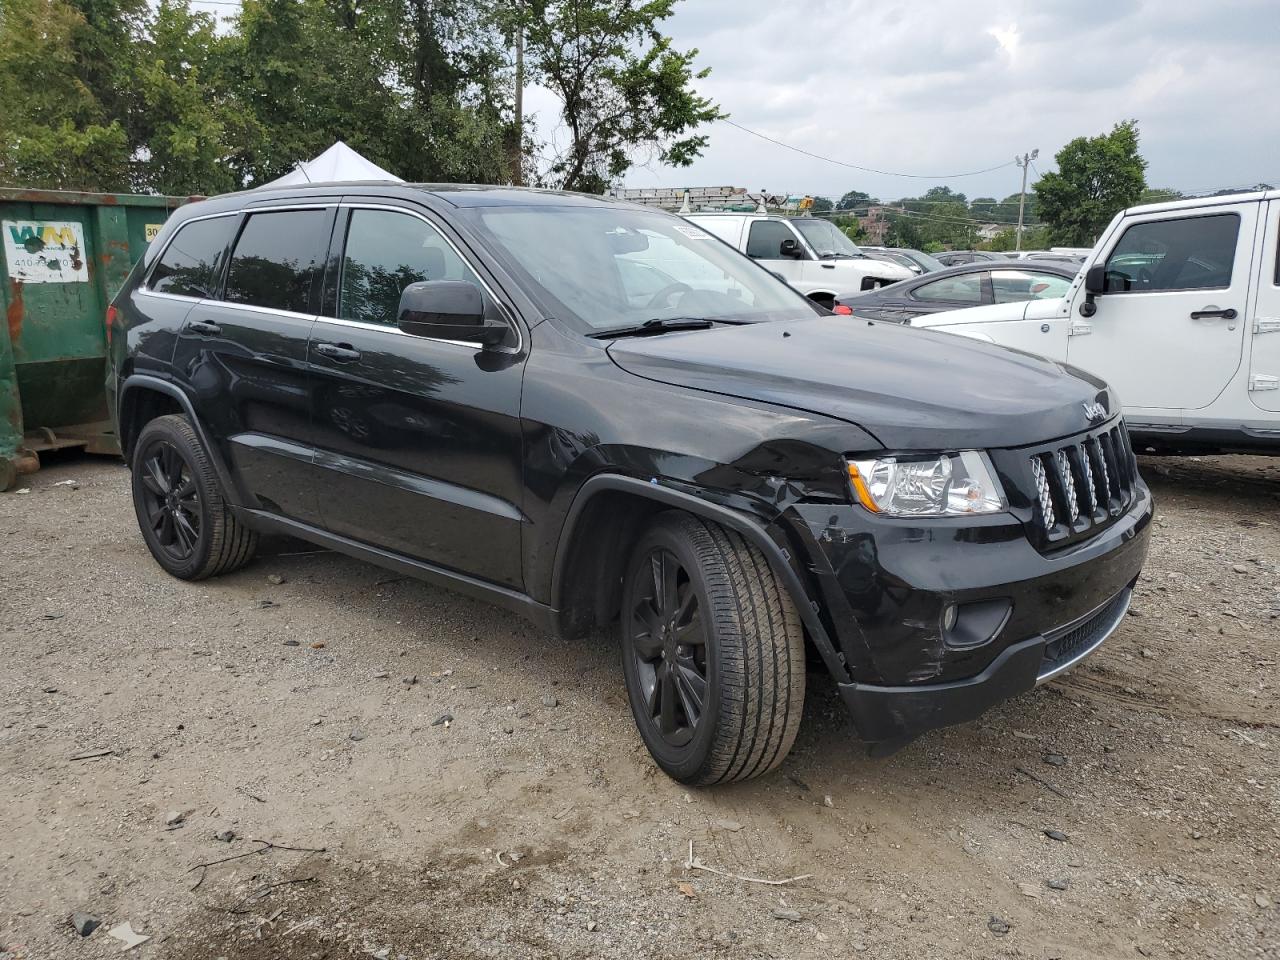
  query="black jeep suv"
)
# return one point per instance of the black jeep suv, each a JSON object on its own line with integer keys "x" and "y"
{"x": 596, "y": 414}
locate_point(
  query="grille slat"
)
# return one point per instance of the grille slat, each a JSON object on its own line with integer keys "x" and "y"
{"x": 1083, "y": 484}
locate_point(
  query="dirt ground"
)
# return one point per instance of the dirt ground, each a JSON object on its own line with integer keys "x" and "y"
{"x": 274, "y": 704}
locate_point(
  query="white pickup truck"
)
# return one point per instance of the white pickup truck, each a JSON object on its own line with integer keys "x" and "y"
{"x": 809, "y": 253}
{"x": 1178, "y": 308}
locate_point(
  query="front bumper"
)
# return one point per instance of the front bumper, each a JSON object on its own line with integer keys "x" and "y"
{"x": 884, "y": 586}
{"x": 894, "y": 715}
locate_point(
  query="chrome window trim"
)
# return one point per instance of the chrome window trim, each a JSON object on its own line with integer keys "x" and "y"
{"x": 507, "y": 312}
{"x": 146, "y": 283}
{"x": 251, "y": 308}
{"x": 382, "y": 328}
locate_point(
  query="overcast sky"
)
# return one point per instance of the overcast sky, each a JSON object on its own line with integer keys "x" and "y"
{"x": 940, "y": 87}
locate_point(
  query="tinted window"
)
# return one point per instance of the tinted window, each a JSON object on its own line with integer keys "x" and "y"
{"x": 765, "y": 239}
{"x": 385, "y": 252}
{"x": 1196, "y": 253}
{"x": 189, "y": 265}
{"x": 276, "y": 259}
{"x": 1010, "y": 286}
{"x": 966, "y": 288}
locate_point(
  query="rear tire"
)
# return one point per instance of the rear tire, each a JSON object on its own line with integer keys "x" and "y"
{"x": 700, "y": 603}
{"x": 184, "y": 520}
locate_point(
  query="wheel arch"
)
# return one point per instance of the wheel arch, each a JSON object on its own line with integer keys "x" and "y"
{"x": 142, "y": 399}
{"x": 603, "y": 522}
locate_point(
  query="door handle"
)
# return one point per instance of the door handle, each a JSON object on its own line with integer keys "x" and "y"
{"x": 205, "y": 327}
{"x": 1210, "y": 312}
{"x": 338, "y": 352}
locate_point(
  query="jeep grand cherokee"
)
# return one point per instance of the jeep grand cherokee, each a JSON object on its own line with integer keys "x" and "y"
{"x": 598, "y": 415}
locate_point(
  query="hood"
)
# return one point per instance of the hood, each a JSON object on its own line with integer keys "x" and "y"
{"x": 996, "y": 313}
{"x": 911, "y": 389}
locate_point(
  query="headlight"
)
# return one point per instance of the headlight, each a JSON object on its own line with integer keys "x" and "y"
{"x": 949, "y": 485}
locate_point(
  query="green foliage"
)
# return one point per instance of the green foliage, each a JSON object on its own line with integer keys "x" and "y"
{"x": 855, "y": 199}
{"x": 54, "y": 129}
{"x": 1033, "y": 238}
{"x": 1159, "y": 195}
{"x": 123, "y": 95}
{"x": 823, "y": 205}
{"x": 624, "y": 90}
{"x": 851, "y": 228}
{"x": 1097, "y": 177}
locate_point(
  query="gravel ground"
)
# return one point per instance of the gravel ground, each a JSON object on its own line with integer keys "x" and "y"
{"x": 302, "y": 701}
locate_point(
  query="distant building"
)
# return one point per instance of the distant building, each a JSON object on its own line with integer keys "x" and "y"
{"x": 875, "y": 225}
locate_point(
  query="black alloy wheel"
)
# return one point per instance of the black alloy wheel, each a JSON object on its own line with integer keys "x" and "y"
{"x": 189, "y": 528}
{"x": 668, "y": 646}
{"x": 171, "y": 499}
{"x": 712, "y": 652}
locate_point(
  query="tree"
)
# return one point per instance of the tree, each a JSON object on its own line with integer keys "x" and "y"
{"x": 855, "y": 198}
{"x": 1096, "y": 178}
{"x": 56, "y": 131}
{"x": 623, "y": 89}
{"x": 823, "y": 205}
{"x": 1159, "y": 195}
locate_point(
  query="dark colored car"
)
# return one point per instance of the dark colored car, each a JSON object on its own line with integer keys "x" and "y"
{"x": 969, "y": 285}
{"x": 924, "y": 261}
{"x": 892, "y": 256}
{"x": 954, "y": 258}
{"x": 464, "y": 384}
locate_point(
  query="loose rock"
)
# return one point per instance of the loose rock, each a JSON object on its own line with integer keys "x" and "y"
{"x": 550, "y": 701}
{"x": 998, "y": 927}
{"x": 1056, "y": 835}
{"x": 85, "y": 923}
{"x": 794, "y": 916}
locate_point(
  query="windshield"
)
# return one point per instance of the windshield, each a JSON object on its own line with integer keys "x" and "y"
{"x": 826, "y": 238}
{"x": 605, "y": 268}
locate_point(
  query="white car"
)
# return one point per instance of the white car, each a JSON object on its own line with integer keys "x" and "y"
{"x": 1178, "y": 308}
{"x": 811, "y": 254}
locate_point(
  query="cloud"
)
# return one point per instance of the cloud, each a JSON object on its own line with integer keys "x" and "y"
{"x": 936, "y": 87}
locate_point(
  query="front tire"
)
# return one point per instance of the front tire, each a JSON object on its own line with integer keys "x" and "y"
{"x": 184, "y": 520}
{"x": 713, "y": 653}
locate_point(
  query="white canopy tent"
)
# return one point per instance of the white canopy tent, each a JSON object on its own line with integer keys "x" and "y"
{"x": 339, "y": 162}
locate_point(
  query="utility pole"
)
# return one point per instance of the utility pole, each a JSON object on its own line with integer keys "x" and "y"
{"x": 1023, "y": 161}
{"x": 517, "y": 163}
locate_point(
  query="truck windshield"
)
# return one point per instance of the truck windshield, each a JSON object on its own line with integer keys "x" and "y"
{"x": 826, "y": 238}
{"x": 602, "y": 268}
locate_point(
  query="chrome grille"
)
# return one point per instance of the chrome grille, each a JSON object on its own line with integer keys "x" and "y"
{"x": 1083, "y": 484}
{"x": 1067, "y": 476}
{"x": 1048, "y": 518}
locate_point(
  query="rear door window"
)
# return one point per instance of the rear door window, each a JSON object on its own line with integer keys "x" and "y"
{"x": 191, "y": 263}
{"x": 1011, "y": 286}
{"x": 277, "y": 259}
{"x": 1193, "y": 253}
{"x": 966, "y": 288}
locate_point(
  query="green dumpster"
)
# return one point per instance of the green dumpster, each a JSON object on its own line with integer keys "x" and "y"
{"x": 65, "y": 255}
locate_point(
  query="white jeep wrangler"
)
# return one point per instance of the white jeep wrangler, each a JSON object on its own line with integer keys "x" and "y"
{"x": 810, "y": 253}
{"x": 1178, "y": 308}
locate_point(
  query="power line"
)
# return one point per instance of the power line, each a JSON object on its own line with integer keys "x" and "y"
{"x": 855, "y": 166}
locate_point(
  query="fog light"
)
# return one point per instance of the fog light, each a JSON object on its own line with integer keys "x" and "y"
{"x": 949, "y": 617}
{"x": 973, "y": 624}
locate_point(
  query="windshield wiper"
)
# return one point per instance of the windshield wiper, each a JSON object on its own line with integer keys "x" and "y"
{"x": 656, "y": 325}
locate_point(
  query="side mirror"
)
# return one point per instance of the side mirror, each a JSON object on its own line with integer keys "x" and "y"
{"x": 790, "y": 249}
{"x": 1095, "y": 279}
{"x": 448, "y": 310}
